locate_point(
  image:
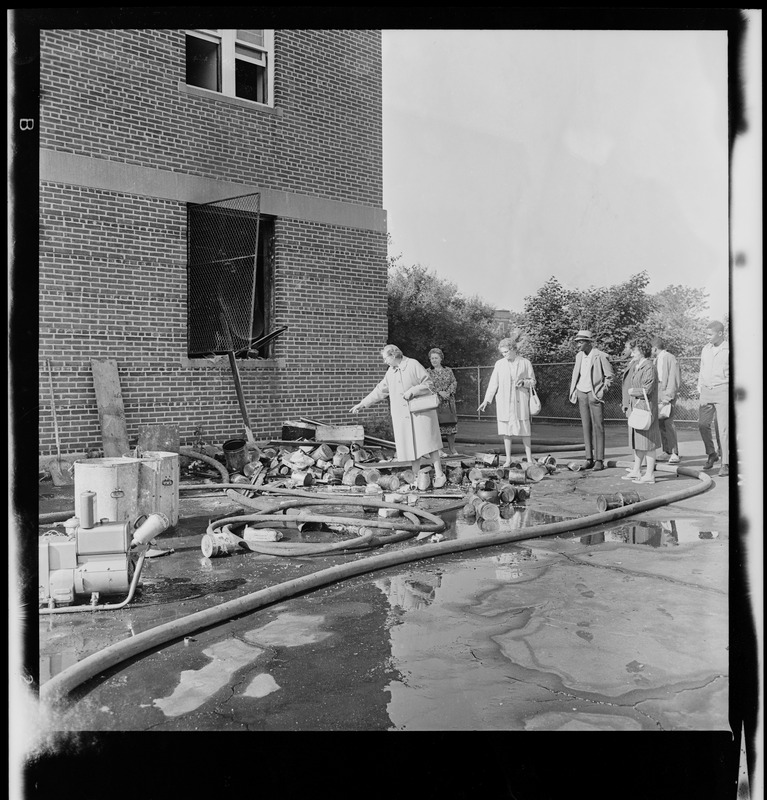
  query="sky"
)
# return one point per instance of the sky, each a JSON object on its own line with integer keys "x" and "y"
{"x": 511, "y": 156}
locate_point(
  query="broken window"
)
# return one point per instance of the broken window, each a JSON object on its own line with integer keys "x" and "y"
{"x": 238, "y": 63}
{"x": 229, "y": 284}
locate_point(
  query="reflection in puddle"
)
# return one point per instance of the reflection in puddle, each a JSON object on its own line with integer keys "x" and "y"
{"x": 653, "y": 534}
{"x": 53, "y": 664}
{"x": 410, "y": 592}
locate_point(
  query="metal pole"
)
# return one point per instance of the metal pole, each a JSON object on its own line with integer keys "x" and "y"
{"x": 240, "y": 396}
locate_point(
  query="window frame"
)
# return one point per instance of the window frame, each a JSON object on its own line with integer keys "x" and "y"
{"x": 228, "y": 43}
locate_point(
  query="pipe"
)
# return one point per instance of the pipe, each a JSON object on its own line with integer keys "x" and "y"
{"x": 103, "y": 606}
{"x": 58, "y": 687}
{"x": 536, "y": 447}
{"x": 366, "y": 540}
{"x": 187, "y": 451}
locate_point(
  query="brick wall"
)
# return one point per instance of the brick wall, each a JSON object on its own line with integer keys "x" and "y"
{"x": 113, "y": 264}
{"x": 113, "y": 285}
{"x": 114, "y": 94}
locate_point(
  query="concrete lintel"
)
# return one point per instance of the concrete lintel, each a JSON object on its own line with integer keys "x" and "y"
{"x": 116, "y": 176}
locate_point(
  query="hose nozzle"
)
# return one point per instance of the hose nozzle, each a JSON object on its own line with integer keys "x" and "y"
{"x": 152, "y": 526}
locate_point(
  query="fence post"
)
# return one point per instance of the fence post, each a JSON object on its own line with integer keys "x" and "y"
{"x": 479, "y": 400}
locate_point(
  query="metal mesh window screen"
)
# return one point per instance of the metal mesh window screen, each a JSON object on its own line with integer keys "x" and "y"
{"x": 222, "y": 253}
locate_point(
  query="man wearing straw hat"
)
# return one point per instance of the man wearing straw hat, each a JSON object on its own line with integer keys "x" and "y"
{"x": 592, "y": 376}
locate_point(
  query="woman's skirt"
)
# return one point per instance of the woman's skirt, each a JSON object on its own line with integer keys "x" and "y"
{"x": 448, "y": 430}
{"x": 514, "y": 427}
{"x": 645, "y": 440}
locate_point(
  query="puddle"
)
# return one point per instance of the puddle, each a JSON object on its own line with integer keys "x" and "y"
{"x": 671, "y": 533}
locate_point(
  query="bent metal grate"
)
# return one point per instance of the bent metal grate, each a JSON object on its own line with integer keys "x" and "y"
{"x": 222, "y": 247}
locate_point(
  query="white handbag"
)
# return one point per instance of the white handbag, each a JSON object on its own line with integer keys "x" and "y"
{"x": 640, "y": 419}
{"x": 664, "y": 410}
{"x": 535, "y": 402}
{"x": 423, "y": 402}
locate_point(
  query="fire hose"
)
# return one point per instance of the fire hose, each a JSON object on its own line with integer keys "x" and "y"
{"x": 57, "y": 689}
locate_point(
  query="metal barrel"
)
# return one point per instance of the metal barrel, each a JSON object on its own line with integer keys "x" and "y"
{"x": 606, "y": 502}
{"x": 487, "y": 511}
{"x": 523, "y": 492}
{"x": 389, "y": 483}
{"x": 629, "y": 497}
{"x": 423, "y": 481}
{"x": 236, "y": 454}
{"x": 535, "y": 473}
{"x": 508, "y": 493}
{"x": 353, "y": 477}
{"x": 371, "y": 475}
{"x": 516, "y": 476}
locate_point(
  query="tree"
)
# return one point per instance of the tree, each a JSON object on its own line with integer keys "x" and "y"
{"x": 548, "y": 322}
{"x": 613, "y": 314}
{"x": 678, "y": 316}
{"x": 427, "y": 311}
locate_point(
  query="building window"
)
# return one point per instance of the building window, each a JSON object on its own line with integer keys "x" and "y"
{"x": 230, "y": 250}
{"x": 237, "y": 63}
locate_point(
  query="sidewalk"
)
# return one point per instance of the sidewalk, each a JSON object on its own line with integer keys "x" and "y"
{"x": 485, "y": 434}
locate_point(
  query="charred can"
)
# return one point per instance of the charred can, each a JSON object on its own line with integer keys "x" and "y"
{"x": 536, "y": 472}
{"x": 508, "y": 494}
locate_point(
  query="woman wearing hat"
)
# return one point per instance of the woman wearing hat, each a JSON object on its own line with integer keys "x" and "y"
{"x": 512, "y": 379}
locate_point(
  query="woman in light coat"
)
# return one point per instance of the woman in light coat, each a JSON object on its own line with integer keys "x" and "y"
{"x": 512, "y": 379}
{"x": 642, "y": 379}
{"x": 416, "y": 435}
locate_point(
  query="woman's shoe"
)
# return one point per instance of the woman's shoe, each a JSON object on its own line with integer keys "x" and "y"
{"x": 630, "y": 476}
{"x": 506, "y": 465}
{"x": 645, "y": 479}
{"x": 439, "y": 481}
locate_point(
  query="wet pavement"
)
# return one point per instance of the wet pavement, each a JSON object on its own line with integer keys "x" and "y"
{"x": 617, "y": 628}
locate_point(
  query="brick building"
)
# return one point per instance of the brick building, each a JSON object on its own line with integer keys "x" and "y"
{"x": 163, "y": 148}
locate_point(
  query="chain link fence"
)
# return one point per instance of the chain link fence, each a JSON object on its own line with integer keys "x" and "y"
{"x": 553, "y": 387}
{"x": 222, "y": 242}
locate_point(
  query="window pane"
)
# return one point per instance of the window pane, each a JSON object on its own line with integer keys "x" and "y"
{"x": 250, "y": 81}
{"x": 202, "y": 64}
{"x": 249, "y": 52}
{"x": 252, "y": 36}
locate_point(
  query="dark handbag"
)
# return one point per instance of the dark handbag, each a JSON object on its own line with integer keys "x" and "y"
{"x": 423, "y": 402}
{"x": 446, "y": 412}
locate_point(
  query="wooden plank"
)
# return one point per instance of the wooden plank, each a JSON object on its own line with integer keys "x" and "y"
{"x": 340, "y": 433}
{"x": 114, "y": 434}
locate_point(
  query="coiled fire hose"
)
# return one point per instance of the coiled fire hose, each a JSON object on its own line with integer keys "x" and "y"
{"x": 57, "y": 689}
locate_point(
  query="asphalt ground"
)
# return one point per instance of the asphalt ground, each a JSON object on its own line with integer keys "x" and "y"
{"x": 182, "y": 582}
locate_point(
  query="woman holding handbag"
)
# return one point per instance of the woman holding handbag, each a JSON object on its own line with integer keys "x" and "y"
{"x": 415, "y": 426}
{"x": 445, "y": 384}
{"x": 642, "y": 394}
{"x": 512, "y": 380}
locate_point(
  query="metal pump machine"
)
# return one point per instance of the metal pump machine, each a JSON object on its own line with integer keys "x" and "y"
{"x": 93, "y": 558}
